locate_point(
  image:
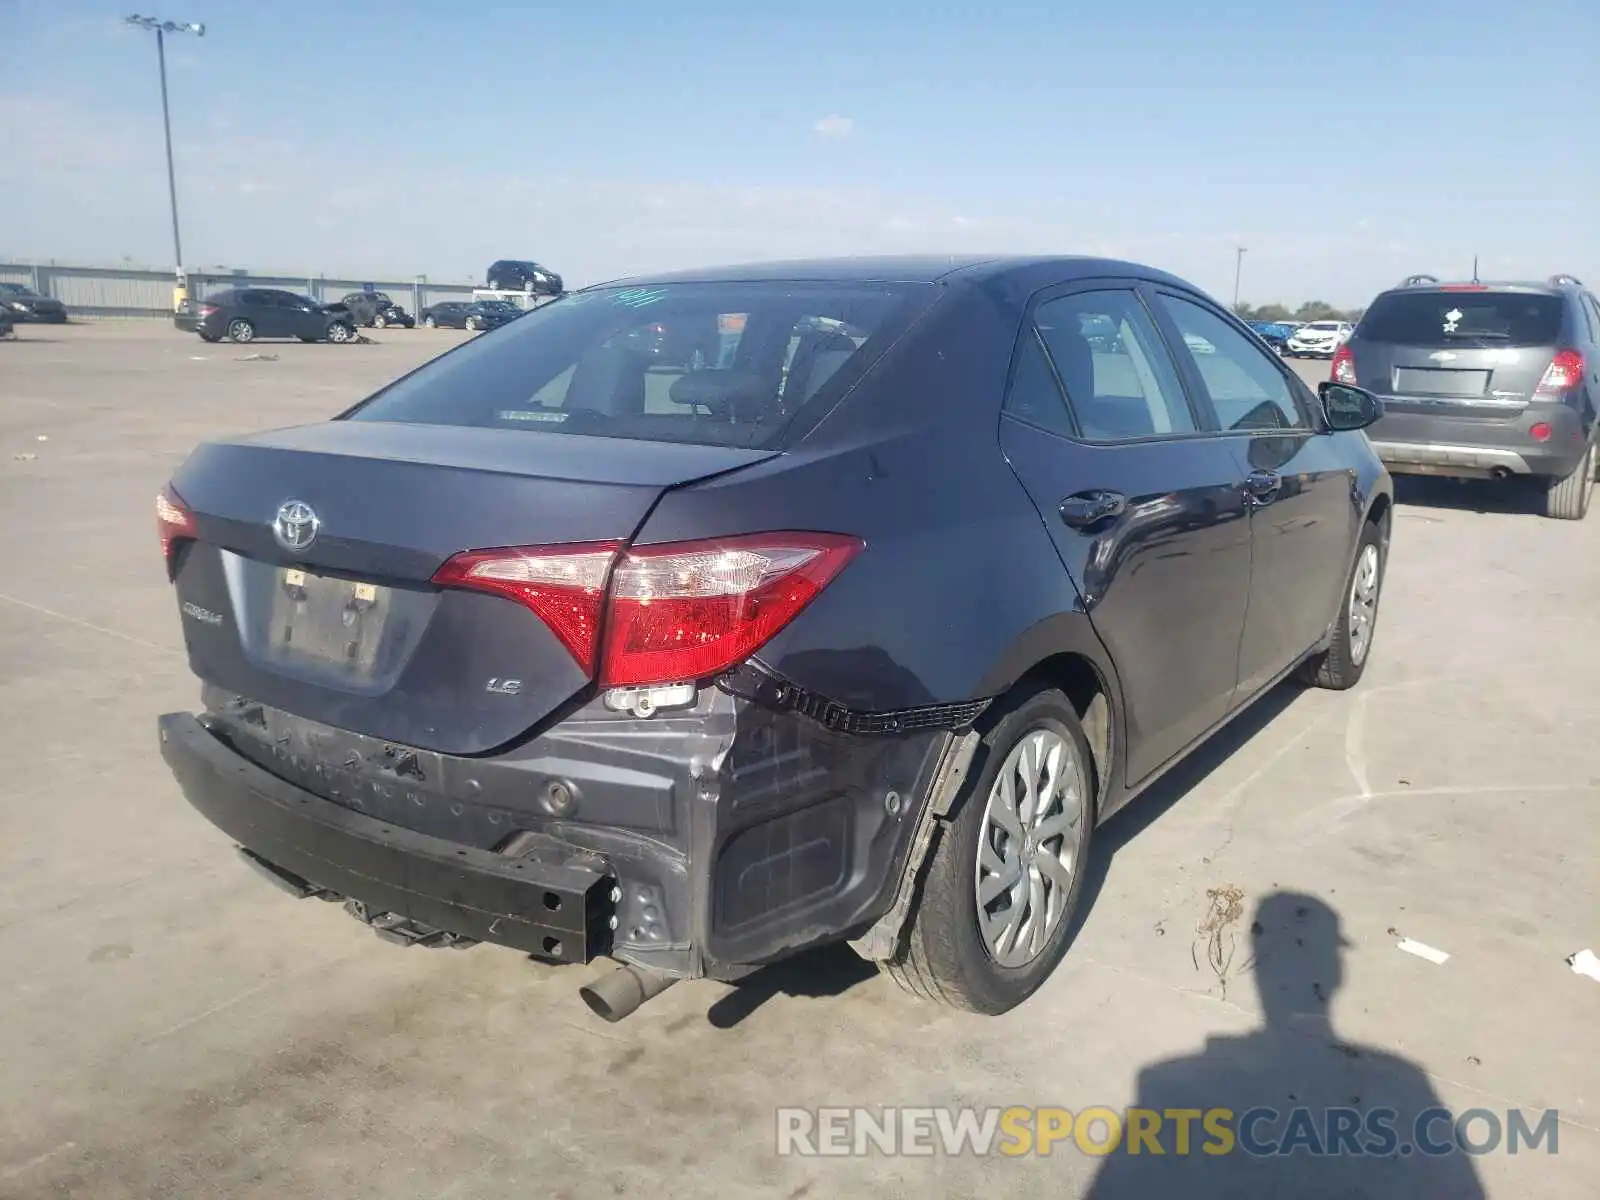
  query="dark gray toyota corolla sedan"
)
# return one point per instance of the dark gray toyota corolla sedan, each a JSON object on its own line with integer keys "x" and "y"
{"x": 700, "y": 619}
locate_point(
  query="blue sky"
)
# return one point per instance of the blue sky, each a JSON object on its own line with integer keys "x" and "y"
{"x": 1344, "y": 144}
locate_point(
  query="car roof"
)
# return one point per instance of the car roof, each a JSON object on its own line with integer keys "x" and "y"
{"x": 928, "y": 268}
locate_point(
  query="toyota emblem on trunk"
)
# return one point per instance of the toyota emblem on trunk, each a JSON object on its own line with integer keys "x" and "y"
{"x": 296, "y": 525}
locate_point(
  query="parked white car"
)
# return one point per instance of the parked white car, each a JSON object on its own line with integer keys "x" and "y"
{"x": 1318, "y": 339}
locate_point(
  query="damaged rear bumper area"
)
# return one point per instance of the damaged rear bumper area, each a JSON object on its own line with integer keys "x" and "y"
{"x": 750, "y": 823}
{"x": 553, "y": 900}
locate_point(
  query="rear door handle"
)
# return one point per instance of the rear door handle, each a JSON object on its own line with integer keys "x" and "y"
{"x": 1090, "y": 508}
{"x": 1263, "y": 486}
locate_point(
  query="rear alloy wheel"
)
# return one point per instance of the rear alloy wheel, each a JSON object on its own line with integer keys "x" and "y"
{"x": 494, "y": 285}
{"x": 1342, "y": 664}
{"x": 379, "y": 321}
{"x": 1568, "y": 499}
{"x": 241, "y": 331}
{"x": 430, "y": 322}
{"x": 996, "y": 907}
{"x": 339, "y": 333}
{"x": 471, "y": 324}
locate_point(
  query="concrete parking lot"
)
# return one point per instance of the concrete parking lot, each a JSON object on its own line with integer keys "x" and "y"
{"x": 170, "y": 1026}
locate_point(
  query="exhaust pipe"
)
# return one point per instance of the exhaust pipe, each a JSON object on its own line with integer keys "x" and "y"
{"x": 620, "y": 993}
{"x": 1500, "y": 473}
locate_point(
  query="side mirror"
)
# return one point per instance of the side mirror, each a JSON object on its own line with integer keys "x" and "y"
{"x": 1346, "y": 407}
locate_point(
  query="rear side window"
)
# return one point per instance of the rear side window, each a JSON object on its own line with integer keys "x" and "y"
{"x": 1438, "y": 319}
{"x": 708, "y": 363}
{"x": 1109, "y": 357}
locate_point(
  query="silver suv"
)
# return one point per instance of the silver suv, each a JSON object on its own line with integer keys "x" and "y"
{"x": 1484, "y": 381}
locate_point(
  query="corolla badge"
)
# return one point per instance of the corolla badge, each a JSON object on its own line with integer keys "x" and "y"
{"x": 296, "y": 525}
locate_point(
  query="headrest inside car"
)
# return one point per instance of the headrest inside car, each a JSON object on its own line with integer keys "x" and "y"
{"x": 738, "y": 394}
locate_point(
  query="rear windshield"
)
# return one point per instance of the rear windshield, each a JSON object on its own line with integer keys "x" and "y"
{"x": 718, "y": 364}
{"x": 1457, "y": 318}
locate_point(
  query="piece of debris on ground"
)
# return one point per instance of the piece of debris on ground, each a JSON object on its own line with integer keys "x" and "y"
{"x": 1585, "y": 962}
{"x": 1224, "y": 908}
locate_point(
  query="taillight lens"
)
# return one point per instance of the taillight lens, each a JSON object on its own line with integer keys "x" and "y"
{"x": 1564, "y": 373}
{"x": 565, "y": 586}
{"x": 1344, "y": 366}
{"x": 206, "y": 310}
{"x": 174, "y": 524}
{"x": 671, "y": 613}
{"x": 688, "y": 610}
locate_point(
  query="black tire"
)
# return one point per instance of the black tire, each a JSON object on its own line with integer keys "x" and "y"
{"x": 945, "y": 957}
{"x": 241, "y": 332}
{"x": 379, "y": 321}
{"x": 430, "y": 322}
{"x": 1568, "y": 499}
{"x": 1342, "y": 664}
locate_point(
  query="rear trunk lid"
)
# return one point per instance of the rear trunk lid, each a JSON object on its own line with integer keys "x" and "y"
{"x": 1466, "y": 355}
{"x": 332, "y": 616}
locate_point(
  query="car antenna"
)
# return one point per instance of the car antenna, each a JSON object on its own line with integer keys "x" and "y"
{"x": 1474, "y": 268}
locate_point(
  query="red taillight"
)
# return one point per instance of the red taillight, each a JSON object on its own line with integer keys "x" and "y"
{"x": 206, "y": 310}
{"x": 1540, "y": 432}
{"x": 175, "y": 524}
{"x": 1564, "y": 373}
{"x": 685, "y": 611}
{"x": 671, "y": 613}
{"x": 1344, "y": 366}
{"x": 565, "y": 586}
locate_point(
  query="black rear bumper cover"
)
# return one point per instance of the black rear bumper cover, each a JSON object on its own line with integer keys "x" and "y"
{"x": 554, "y": 900}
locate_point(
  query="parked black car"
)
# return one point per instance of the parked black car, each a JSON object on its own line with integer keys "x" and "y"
{"x": 8, "y": 322}
{"x": 245, "y": 314}
{"x": 738, "y": 679}
{"x": 376, "y": 310}
{"x": 469, "y": 314}
{"x": 1485, "y": 381}
{"x": 25, "y": 304}
{"x": 519, "y": 275}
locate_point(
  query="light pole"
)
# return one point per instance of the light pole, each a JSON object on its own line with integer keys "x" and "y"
{"x": 162, "y": 28}
{"x": 1238, "y": 270}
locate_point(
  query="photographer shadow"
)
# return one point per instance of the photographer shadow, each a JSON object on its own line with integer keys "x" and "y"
{"x": 1345, "y": 1120}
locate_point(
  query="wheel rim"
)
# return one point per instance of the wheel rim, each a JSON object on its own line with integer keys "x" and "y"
{"x": 1028, "y": 847}
{"x": 378, "y": 322}
{"x": 1363, "y": 604}
{"x": 338, "y": 333}
{"x": 472, "y": 322}
{"x": 241, "y": 331}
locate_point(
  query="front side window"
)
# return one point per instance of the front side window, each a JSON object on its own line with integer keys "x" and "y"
{"x": 1109, "y": 357}
{"x": 1247, "y": 388}
{"x": 709, "y": 363}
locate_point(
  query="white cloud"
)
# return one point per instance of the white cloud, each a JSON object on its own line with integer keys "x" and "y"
{"x": 835, "y": 127}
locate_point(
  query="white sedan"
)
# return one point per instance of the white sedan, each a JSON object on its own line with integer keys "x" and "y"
{"x": 1319, "y": 339}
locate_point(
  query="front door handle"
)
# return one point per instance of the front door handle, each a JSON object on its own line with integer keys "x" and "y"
{"x": 1263, "y": 486}
{"x": 1090, "y": 508}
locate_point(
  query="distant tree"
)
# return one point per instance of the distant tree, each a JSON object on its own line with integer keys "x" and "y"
{"x": 1272, "y": 312}
{"x": 1316, "y": 310}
